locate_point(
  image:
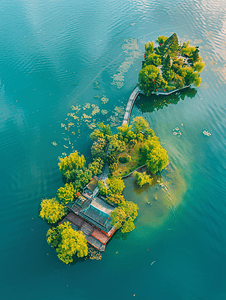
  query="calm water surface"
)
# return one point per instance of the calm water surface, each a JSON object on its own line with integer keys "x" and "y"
{"x": 57, "y": 55}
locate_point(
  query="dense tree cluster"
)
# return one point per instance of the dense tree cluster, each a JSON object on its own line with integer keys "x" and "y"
{"x": 124, "y": 215}
{"x": 67, "y": 193}
{"x": 103, "y": 131}
{"x": 180, "y": 66}
{"x": 142, "y": 178}
{"x": 155, "y": 155}
{"x": 111, "y": 187}
{"x": 128, "y": 136}
{"x": 115, "y": 186}
{"x": 51, "y": 210}
{"x": 71, "y": 162}
{"x": 98, "y": 148}
{"x": 106, "y": 148}
{"x": 67, "y": 242}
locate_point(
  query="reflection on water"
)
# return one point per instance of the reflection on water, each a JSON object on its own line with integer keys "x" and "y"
{"x": 155, "y": 202}
{"x": 152, "y": 103}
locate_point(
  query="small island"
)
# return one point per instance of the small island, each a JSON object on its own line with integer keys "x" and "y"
{"x": 90, "y": 207}
{"x": 169, "y": 67}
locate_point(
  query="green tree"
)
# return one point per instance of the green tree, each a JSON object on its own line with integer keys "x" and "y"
{"x": 169, "y": 75}
{"x": 102, "y": 188}
{"x": 96, "y": 166}
{"x": 131, "y": 135}
{"x": 199, "y": 66}
{"x": 116, "y": 145}
{"x": 104, "y": 132}
{"x": 140, "y": 137}
{"x": 82, "y": 178}
{"x": 124, "y": 129}
{"x": 132, "y": 143}
{"x": 153, "y": 59}
{"x": 157, "y": 160}
{"x": 111, "y": 158}
{"x": 187, "y": 50}
{"x": 181, "y": 71}
{"x": 67, "y": 242}
{"x": 124, "y": 215}
{"x": 150, "y": 144}
{"x": 112, "y": 168}
{"x": 161, "y": 39}
{"x": 166, "y": 66}
{"x": 191, "y": 76}
{"x": 163, "y": 84}
{"x": 147, "y": 79}
{"x": 97, "y": 149}
{"x": 66, "y": 194}
{"x": 198, "y": 81}
{"x": 52, "y": 210}
{"x": 73, "y": 161}
{"x": 139, "y": 125}
{"x": 115, "y": 185}
{"x": 142, "y": 178}
{"x": 115, "y": 198}
{"x": 195, "y": 55}
{"x": 178, "y": 81}
{"x": 149, "y": 48}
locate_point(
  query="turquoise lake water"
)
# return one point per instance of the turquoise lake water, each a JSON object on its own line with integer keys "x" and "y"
{"x": 57, "y": 55}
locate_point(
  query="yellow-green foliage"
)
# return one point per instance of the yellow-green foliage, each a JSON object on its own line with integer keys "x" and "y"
{"x": 156, "y": 156}
{"x": 199, "y": 66}
{"x": 124, "y": 129}
{"x": 115, "y": 185}
{"x": 161, "y": 39}
{"x": 52, "y": 210}
{"x": 124, "y": 215}
{"x": 104, "y": 132}
{"x": 96, "y": 166}
{"x": 102, "y": 188}
{"x": 66, "y": 194}
{"x": 116, "y": 199}
{"x": 153, "y": 59}
{"x": 142, "y": 178}
{"x": 198, "y": 81}
{"x": 157, "y": 160}
{"x": 116, "y": 145}
{"x": 187, "y": 50}
{"x": 149, "y": 48}
{"x": 73, "y": 161}
{"x": 139, "y": 124}
{"x": 67, "y": 242}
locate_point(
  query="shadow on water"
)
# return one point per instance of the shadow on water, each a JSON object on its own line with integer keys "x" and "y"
{"x": 154, "y": 102}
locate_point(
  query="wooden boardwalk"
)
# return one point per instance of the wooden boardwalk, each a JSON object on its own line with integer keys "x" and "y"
{"x": 130, "y": 104}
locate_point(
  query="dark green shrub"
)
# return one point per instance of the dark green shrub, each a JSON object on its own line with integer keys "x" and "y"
{"x": 123, "y": 160}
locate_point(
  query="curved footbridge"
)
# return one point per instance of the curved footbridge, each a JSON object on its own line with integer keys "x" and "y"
{"x": 130, "y": 104}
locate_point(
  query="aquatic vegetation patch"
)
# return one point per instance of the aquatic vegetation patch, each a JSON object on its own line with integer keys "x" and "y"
{"x": 86, "y": 106}
{"x": 85, "y": 116}
{"x": 96, "y": 85}
{"x": 104, "y": 99}
{"x": 104, "y": 111}
{"x": 96, "y": 110}
{"x": 132, "y": 51}
{"x": 206, "y": 132}
{"x": 176, "y": 131}
{"x": 77, "y": 108}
